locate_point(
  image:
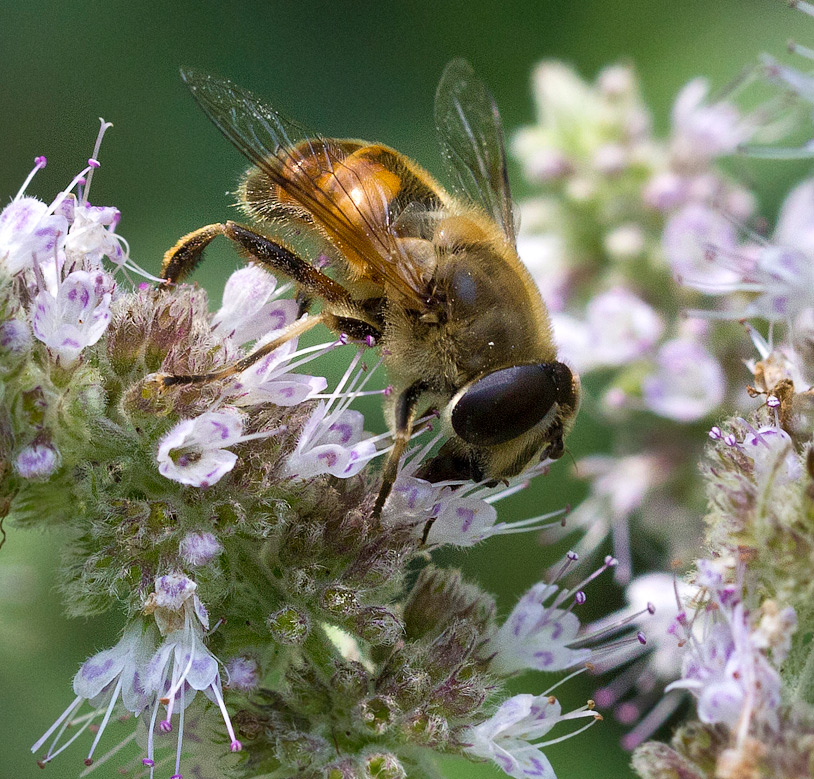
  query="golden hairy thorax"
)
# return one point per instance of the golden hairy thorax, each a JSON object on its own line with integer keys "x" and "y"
{"x": 479, "y": 309}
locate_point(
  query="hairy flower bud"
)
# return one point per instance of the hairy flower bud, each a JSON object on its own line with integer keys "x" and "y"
{"x": 377, "y": 714}
{"x": 382, "y": 765}
{"x": 289, "y": 626}
{"x": 379, "y": 626}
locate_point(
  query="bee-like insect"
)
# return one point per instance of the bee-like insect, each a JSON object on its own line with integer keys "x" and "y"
{"x": 432, "y": 277}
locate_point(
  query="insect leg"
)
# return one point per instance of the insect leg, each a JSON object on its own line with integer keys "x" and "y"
{"x": 295, "y": 329}
{"x": 340, "y": 312}
{"x": 405, "y": 417}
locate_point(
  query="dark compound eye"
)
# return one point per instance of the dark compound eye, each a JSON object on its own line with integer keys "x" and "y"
{"x": 505, "y": 404}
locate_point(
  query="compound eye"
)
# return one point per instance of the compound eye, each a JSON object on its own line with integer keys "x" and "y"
{"x": 505, "y": 404}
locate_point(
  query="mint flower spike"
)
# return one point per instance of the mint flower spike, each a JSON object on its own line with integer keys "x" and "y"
{"x": 110, "y": 679}
{"x": 511, "y": 736}
{"x": 182, "y": 665}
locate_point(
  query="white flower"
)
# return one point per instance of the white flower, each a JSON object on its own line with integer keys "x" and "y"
{"x": 270, "y": 380}
{"x": 688, "y": 382}
{"x": 333, "y": 443}
{"x": 110, "y": 679}
{"x": 76, "y": 316}
{"x": 619, "y": 327}
{"x": 195, "y": 450}
{"x": 251, "y": 308}
{"x": 511, "y": 737}
{"x": 724, "y": 665}
{"x": 702, "y": 130}
{"x": 691, "y": 240}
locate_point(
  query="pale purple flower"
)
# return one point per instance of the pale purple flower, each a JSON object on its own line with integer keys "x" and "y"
{"x": 110, "y": 680}
{"x": 92, "y": 235}
{"x": 76, "y": 317}
{"x": 704, "y": 130}
{"x": 331, "y": 442}
{"x": 691, "y": 240}
{"x": 37, "y": 461}
{"x": 199, "y": 548}
{"x": 687, "y": 384}
{"x": 251, "y": 306}
{"x": 619, "y": 486}
{"x": 543, "y": 633}
{"x": 666, "y": 191}
{"x": 182, "y": 665}
{"x": 512, "y": 736}
{"x": 29, "y": 231}
{"x": 242, "y": 674}
{"x": 724, "y": 667}
{"x": 644, "y": 669}
{"x": 459, "y": 514}
{"x": 15, "y": 336}
{"x": 545, "y": 257}
{"x": 772, "y": 452}
{"x": 195, "y": 450}
{"x": 271, "y": 380}
{"x": 619, "y": 327}
{"x": 536, "y": 635}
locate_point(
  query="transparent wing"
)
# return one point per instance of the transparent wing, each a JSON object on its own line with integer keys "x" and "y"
{"x": 471, "y": 137}
{"x": 357, "y": 214}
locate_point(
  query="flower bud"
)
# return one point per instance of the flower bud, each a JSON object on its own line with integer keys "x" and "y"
{"x": 658, "y": 761}
{"x": 379, "y": 626}
{"x": 199, "y": 548}
{"x": 339, "y": 602}
{"x": 289, "y": 626}
{"x": 37, "y": 461}
{"x": 350, "y": 681}
{"x": 431, "y": 730}
{"x": 384, "y": 766}
{"x": 438, "y": 595}
{"x": 378, "y": 714}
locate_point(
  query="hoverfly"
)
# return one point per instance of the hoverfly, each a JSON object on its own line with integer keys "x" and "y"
{"x": 432, "y": 277}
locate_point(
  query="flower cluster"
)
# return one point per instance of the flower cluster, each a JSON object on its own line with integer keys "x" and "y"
{"x": 619, "y": 217}
{"x": 250, "y": 499}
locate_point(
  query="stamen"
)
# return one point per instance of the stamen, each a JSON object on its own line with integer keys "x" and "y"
{"x": 77, "y": 702}
{"x": 180, "y": 738}
{"x": 595, "y": 717}
{"x": 110, "y": 753}
{"x": 93, "y": 162}
{"x": 39, "y": 163}
{"x": 113, "y": 699}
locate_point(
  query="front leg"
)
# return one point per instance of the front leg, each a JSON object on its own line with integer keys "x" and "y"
{"x": 339, "y": 311}
{"x": 406, "y": 406}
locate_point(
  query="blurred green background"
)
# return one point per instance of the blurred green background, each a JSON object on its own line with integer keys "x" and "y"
{"x": 347, "y": 69}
